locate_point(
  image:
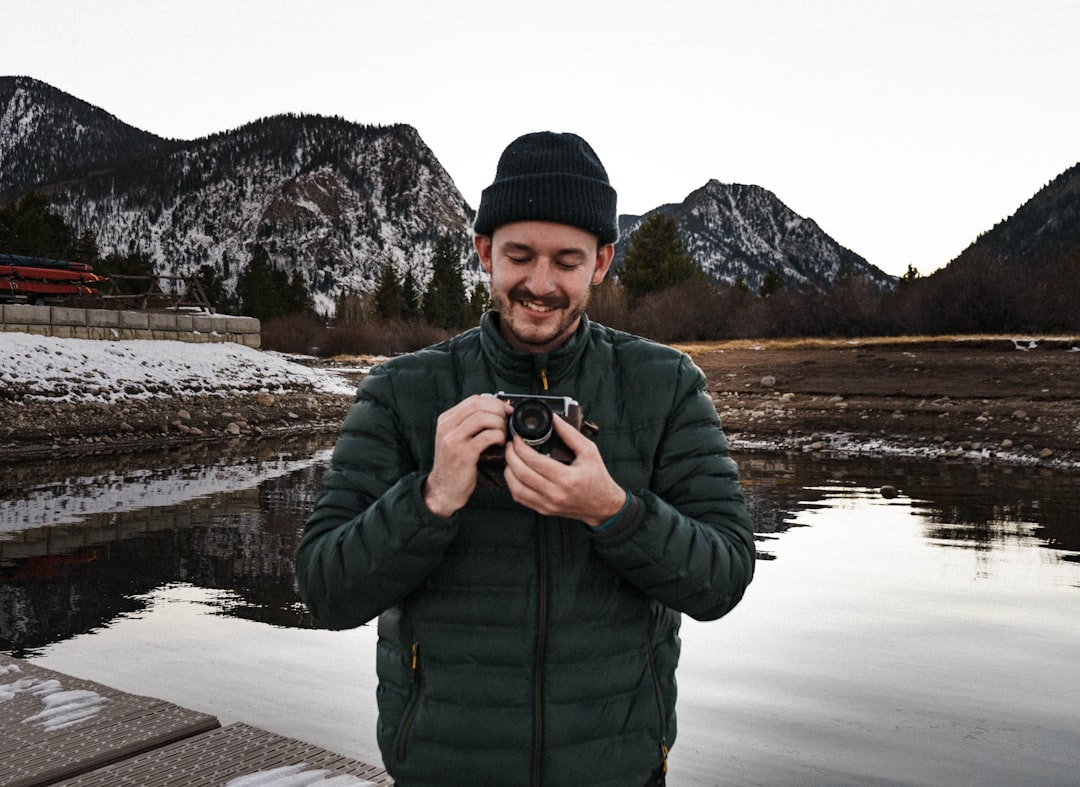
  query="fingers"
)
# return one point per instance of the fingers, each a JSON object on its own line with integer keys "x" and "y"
{"x": 462, "y": 434}
{"x": 581, "y": 490}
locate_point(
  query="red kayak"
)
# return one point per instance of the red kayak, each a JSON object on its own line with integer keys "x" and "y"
{"x": 32, "y": 287}
{"x": 48, "y": 274}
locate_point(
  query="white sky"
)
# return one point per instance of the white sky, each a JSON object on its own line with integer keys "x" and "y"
{"x": 905, "y": 128}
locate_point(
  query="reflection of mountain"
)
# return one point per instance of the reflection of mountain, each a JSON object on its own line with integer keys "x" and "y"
{"x": 60, "y": 581}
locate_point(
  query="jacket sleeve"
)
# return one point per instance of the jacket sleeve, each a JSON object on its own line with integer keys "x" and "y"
{"x": 687, "y": 541}
{"x": 371, "y": 539}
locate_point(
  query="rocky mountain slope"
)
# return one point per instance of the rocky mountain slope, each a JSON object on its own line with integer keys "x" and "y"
{"x": 332, "y": 200}
{"x": 1043, "y": 229}
{"x": 734, "y": 232}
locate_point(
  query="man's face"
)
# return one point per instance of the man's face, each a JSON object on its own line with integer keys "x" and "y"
{"x": 541, "y": 274}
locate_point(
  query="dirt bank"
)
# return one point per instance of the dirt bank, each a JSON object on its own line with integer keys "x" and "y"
{"x": 1003, "y": 399}
{"x": 984, "y": 399}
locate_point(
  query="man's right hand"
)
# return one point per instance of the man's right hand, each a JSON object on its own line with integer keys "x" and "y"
{"x": 463, "y": 432}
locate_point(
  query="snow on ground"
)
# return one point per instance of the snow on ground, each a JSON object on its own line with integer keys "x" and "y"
{"x": 83, "y": 370}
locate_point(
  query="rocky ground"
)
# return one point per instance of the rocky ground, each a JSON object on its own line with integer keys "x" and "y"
{"x": 985, "y": 399}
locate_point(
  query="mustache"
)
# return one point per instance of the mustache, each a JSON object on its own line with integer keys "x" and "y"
{"x": 550, "y": 301}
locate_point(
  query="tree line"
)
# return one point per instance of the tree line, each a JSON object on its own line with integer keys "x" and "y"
{"x": 657, "y": 292}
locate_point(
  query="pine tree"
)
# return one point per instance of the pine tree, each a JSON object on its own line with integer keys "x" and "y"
{"x": 411, "y": 295}
{"x": 479, "y": 302}
{"x": 771, "y": 283}
{"x": 29, "y": 227}
{"x": 444, "y": 302}
{"x": 213, "y": 287}
{"x": 389, "y": 295}
{"x": 655, "y": 259}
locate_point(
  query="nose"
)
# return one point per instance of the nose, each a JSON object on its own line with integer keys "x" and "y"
{"x": 541, "y": 279}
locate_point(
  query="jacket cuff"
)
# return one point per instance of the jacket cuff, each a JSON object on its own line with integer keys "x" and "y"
{"x": 622, "y": 522}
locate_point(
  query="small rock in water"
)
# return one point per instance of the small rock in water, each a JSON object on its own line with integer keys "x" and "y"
{"x": 889, "y": 491}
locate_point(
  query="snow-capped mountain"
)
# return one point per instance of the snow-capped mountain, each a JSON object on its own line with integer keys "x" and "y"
{"x": 48, "y": 136}
{"x": 734, "y": 231}
{"x": 329, "y": 199}
{"x": 325, "y": 198}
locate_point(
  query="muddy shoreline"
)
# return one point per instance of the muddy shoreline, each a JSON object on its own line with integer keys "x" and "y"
{"x": 999, "y": 400}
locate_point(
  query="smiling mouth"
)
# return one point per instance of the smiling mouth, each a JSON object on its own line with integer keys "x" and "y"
{"x": 534, "y": 306}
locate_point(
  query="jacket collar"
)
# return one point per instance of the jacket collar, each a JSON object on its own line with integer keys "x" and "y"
{"x": 524, "y": 370}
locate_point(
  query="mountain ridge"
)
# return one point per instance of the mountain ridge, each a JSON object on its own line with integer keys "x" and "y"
{"x": 334, "y": 200}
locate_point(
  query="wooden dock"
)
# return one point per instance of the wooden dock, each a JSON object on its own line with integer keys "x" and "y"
{"x": 62, "y": 730}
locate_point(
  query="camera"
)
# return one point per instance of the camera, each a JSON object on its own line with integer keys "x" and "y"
{"x": 532, "y": 421}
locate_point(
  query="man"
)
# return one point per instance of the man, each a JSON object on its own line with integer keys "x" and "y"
{"x": 529, "y": 606}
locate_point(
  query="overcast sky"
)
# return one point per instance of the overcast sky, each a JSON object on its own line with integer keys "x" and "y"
{"x": 904, "y": 128}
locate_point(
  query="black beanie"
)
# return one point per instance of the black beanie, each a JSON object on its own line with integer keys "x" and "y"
{"x": 546, "y": 176}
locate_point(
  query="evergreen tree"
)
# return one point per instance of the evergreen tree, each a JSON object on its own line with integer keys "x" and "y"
{"x": 411, "y": 296}
{"x": 910, "y": 275}
{"x": 29, "y": 227}
{"x": 389, "y": 295}
{"x": 655, "y": 259}
{"x": 86, "y": 248}
{"x": 444, "y": 302}
{"x": 213, "y": 287}
{"x": 298, "y": 299}
{"x": 771, "y": 283}
{"x": 266, "y": 292}
{"x": 135, "y": 265}
{"x": 479, "y": 302}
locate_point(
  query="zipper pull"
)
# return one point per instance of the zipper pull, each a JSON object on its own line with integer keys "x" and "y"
{"x": 543, "y": 378}
{"x": 415, "y": 654}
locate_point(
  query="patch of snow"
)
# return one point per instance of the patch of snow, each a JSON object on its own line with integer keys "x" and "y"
{"x": 89, "y": 370}
{"x": 62, "y": 709}
{"x": 297, "y": 776}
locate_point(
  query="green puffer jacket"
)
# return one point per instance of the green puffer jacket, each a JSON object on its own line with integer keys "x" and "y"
{"x": 517, "y": 649}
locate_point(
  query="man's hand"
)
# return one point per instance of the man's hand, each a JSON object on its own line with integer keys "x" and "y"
{"x": 463, "y": 432}
{"x": 581, "y": 490}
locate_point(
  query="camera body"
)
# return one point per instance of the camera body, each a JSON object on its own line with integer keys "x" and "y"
{"x": 532, "y": 421}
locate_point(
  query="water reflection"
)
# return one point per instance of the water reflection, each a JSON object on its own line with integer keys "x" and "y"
{"x": 80, "y": 547}
{"x": 928, "y": 638}
{"x": 78, "y": 551}
{"x": 961, "y": 504}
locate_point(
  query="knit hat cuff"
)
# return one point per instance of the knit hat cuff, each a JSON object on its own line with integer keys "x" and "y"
{"x": 564, "y": 198}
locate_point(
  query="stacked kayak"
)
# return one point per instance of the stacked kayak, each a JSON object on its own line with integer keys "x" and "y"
{"x": 35, "y": 277}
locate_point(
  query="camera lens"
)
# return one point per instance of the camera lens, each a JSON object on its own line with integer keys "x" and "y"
{"x": 531, "y": 420}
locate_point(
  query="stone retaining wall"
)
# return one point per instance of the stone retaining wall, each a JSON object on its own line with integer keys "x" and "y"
{"x": 66, "y": 322}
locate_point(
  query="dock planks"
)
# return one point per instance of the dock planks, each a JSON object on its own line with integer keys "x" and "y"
{"x": 59, "y": 729}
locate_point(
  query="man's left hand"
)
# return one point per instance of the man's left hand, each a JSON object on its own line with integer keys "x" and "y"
{"x": 581, "y": 490}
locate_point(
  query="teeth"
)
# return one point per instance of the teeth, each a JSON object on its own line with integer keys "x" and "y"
{"x": 537, "y": 307}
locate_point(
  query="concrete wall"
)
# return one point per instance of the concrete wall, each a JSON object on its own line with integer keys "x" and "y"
{"x": 72, "y": 323}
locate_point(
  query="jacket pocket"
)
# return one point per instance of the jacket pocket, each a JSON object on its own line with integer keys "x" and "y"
{"x": 413, "y": 708}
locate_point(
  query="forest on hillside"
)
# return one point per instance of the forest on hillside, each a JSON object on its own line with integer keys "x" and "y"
{"x": 658, "y": 292}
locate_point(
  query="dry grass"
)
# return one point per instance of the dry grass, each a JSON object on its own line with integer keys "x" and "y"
{"x": 697, "y": 348}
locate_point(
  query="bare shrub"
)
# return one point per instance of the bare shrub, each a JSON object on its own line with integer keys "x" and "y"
{"x": 608, "y": 305}
{"x": 294, "y": 333}
{"x": 384, "y": 337}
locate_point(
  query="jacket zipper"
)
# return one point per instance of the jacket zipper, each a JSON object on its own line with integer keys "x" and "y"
{"x": 541, "y": 641}
{"x": 418, "y": 677}
{"x": 541, "y": 635}
{"x": 659, "y": 700}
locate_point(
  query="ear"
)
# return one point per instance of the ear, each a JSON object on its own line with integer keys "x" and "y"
{"x": 604, "y": 255}
{"x": 483, "y": 250}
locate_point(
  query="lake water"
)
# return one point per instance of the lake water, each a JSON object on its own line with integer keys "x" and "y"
{"x": 927, "y": 639}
